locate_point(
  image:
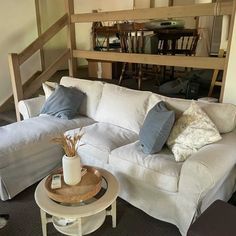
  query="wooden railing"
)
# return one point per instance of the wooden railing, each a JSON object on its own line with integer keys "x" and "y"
{"x": 168, "y": 60}
{"x": 70, "y": 19}
{"x": 225, "y": 8}
{"x": 207, "y": 9}
{"x": 16, "y": 60}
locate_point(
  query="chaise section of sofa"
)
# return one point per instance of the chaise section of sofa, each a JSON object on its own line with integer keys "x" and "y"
{"x": 27, "y": 152}
{"x": 100, "y": 139}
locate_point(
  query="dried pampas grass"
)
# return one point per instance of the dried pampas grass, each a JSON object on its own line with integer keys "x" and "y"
{"x": 68, "y": 143}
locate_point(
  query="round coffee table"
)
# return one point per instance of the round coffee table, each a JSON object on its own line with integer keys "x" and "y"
{"x": 82, "y": 218}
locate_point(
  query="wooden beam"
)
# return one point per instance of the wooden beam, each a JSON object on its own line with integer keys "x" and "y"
{"x": 204, "y": 9}
{"x": 42, "y": 39}
{"x": 39, "y": 28}
{"x": 152, "y": 3}
{"x": 215, "y": 75}
{"x": 71, "y": 38}
{"x": 171, "y": 3}
{"x": 213, "y": 82}
{"x": 152, "y": 59}
{"x": 35, "y": 85}
{"x": 17, "y": 89}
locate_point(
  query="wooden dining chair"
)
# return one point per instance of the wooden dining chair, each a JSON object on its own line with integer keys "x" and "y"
{"x": 131, "y": 41}
{"x": 177, "y": 42}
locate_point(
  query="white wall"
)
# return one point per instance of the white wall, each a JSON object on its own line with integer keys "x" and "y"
{"x": 229, "y": 95}
{"x": 18, "y": 29}
{"x": 161, "y": 3}
{"x": 189, "y": 21}
{"x": 83, "y": 30}
{"x": 49, "y": 14}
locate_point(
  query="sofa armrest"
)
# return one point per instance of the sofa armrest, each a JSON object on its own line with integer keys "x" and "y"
{"x": 210, "y": 165}
{"x": 31, "y": 107}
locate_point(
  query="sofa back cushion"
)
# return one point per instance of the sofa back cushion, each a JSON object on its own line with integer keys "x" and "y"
{"x": 223, "y": 115}
{"x": 92, "y": 90}
{"x": 122, "y": 107}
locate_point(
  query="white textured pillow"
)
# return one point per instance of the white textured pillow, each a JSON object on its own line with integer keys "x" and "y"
{"x": 122, "y": 107}
{"x": 49, "y": 88}
{"x": 191, "y": 131}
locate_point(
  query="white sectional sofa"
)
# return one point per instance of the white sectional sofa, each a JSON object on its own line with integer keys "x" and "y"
{"x": 111, "y": 116}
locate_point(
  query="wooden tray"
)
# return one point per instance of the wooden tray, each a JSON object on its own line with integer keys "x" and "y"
{"x": 88, "y": 187}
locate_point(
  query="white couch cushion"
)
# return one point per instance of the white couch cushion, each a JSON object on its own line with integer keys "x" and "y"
{"x": 122, "y": 107}
{"x": 159, "y": 170}
{"x": 93, "y": 91}
{"x": 49, "y": 88}
{"x": 100, "y": 139}
{"x": 223, "y": 115}
{"x": 154, "y": 99}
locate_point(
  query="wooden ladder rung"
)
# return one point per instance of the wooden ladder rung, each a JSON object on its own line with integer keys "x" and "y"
{"x": 215, "y": 75}
{"x": 218, "y": 83}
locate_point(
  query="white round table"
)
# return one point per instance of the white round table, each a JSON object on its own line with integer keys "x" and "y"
{"x": 87, "y": 216}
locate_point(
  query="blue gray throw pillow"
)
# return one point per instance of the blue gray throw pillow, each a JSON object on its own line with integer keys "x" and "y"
{"x": 156, "y": 128}
{"x": 63, "y": 103}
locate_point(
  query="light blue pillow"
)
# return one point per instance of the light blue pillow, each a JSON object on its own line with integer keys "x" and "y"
{"x": 63, "y": 103}
{"x": 156, "y": 128}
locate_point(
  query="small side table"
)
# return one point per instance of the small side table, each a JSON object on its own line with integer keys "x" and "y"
{"x": 88, "y": 216}
{"x": 217, "y": 220}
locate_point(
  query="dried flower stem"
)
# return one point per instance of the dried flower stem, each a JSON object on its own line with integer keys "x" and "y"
{"x": 68, "y": 143}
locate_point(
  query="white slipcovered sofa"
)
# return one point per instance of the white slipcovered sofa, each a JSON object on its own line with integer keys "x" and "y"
{"x": 111, "y": 116}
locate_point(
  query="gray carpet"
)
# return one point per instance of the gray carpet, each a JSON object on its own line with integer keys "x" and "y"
{"x": 25, "y": 220}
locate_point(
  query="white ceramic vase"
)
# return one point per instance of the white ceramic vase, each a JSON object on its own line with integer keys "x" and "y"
{"x": 71, "y": 169}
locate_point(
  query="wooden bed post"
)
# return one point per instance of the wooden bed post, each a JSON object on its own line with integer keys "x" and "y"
{"x": 16, "y": 81}
{"x": 71, "y": 39}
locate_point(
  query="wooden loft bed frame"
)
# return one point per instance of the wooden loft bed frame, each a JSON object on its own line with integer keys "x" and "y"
{"x": 71, "y": 53}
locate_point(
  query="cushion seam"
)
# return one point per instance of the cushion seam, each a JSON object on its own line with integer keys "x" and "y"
{"x": 172, "y": 176}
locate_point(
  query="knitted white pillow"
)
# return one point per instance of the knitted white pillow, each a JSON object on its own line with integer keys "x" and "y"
{"x": 191, "y": 131}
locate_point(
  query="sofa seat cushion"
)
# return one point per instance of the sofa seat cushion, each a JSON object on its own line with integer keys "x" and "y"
{"x": 92, "y": 90}
{"x": 159, "y": 170}
{"x": 100, "y": 139}
{"x": 123, "y": 107}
